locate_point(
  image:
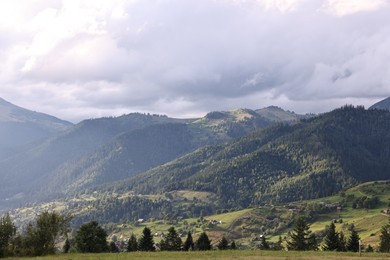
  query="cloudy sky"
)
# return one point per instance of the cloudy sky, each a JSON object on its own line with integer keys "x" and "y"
{"x": 79, "y": 59}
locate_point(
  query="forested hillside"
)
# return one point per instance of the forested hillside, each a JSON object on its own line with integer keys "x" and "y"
{"x": 98, "y": 151}
{"x": 315, "y": 158}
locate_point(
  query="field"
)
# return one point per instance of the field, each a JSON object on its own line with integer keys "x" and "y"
{"x": 219, "y": 255}
{"x": 276, "y": 220}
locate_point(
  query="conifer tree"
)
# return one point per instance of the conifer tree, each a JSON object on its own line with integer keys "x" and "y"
{"x": 331, "y": 240}
{"x": 384, "y": 244}
{"x": 189, "y": 243}
{"x": 233, "y": 245}
{"x": 172, "y": 241}
{"x": 132, "y": 245}
{"x": 342, "y": 243}
{"x": 146, "y": 242}
{"x": 301, "y": 238}
{"x": 223, "y": 244}
{"x": 113, "y": 247}
{"x": 203, "y": 242}
{"x": 353, "y": 241}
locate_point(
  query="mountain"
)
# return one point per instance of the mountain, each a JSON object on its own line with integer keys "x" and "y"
{"x": 102, "y": 150}
{"x": 383, "y": 104}
{"x": 25, "y": 173}
{"x": 19, "y": 127}
{"x": 317, "y": 157}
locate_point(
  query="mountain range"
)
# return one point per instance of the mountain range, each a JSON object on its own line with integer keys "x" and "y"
{"x": 20, "y": 127}
{"x": 98, "y": 151}
{"x": 240, "y": 158}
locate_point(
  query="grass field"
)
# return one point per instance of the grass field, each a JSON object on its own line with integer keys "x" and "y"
{"x": 219, "y": 255}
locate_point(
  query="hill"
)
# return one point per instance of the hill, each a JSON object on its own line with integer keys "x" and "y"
{"x": 20, "y": 127}
{"x": 244, "y": 226}
{"x": 315, "y": 158}
{"x": 383, "y": 104}
{"x": 102, "y": 150}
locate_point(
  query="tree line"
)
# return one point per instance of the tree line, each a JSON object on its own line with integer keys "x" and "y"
{"x": 50, "y": 229}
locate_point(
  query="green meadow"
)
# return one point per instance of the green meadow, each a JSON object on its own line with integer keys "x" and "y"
{"x": 220, "y": 255}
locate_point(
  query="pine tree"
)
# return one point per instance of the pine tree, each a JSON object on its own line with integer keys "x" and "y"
{"x": 203, "y": 242}
{"x": 172, "y": 241}
{"x": 301, "y": 238}
{"x": 113, "y": 247}
{"x": 353, "y": 241}
{"x": 132, "y": 245}
{"x": 189, "y": 243}
{"x": 223, "y": 244}
{"x": 342, "y": 243}
{"x": 331, "y": 240}
{"x": 312, "y": 242}
{"x": 384, "y": 244}
{"x": 146, "y": 242}
{"x": 233, "y": 245}
{"x": 263, "y": 243}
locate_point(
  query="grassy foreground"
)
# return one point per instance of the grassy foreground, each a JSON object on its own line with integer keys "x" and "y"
{"x": 220, "y": 255}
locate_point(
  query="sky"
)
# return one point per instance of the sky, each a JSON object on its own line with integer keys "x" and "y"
{"x": 78, "y": 59}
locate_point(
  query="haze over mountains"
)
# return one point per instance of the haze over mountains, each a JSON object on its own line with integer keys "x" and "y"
{"x": 383, "y": 104}
{"x": 241, "y": 158}
{"x": 70, "y": 158}
{"x": 20, "y": 127}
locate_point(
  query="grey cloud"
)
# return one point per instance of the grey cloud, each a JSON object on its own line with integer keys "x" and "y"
{"x": 188, "y": 57}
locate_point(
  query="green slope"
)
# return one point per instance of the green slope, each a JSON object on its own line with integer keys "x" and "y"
{"x": 315, "y": 158}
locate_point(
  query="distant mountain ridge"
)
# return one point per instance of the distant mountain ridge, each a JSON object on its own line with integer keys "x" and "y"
{"x": 314, "y": 158}
{"x": 97, "y": 151}
{"x": 383, "y": 104}
{"x": 20, "y": 127}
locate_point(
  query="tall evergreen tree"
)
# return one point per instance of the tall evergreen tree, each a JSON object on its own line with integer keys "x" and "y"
{"x": 7, "y": 231}
{"x": 233, "y": 245}
{"x": 301, "y": 238}
{"x": 353, "y": 241}
{"x": 113, "y": 247}
{"x": 132, "y": 245}
{"x": 146, "y": 242}
{"x": 223, "y": 244}
{"x": 331, "y": 240}
{"x": 189, "y": 243}
{"x": 172, "y": 241}
{"x": 384, "y": 244}
{"x": 342, "y": 243}
{"x": 203, "y": 242}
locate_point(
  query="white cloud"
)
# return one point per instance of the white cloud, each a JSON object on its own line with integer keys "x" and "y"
{"x": 348, "y": 7}
{"x": 189, "y": 57}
